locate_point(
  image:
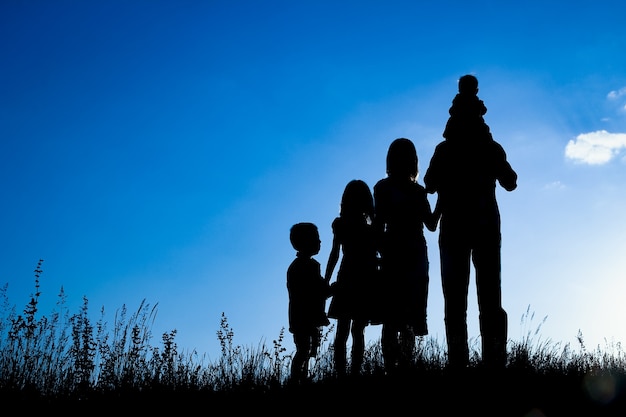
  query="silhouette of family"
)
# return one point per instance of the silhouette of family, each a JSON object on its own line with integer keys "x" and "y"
{"x": 383, "y": 275}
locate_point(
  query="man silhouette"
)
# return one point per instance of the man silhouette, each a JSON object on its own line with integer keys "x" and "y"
{"x": 463, "y": 172}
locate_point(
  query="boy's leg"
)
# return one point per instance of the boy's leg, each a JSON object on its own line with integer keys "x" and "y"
{"x": 300, "y": 361}
{"x": 315, "y": 341}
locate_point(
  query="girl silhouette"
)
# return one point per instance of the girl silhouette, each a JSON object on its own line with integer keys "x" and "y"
{"x": 352, "y": 303}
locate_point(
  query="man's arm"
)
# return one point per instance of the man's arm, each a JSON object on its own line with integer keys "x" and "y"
{"x": 432, "y": 176}
{"x": 506, "y": 176}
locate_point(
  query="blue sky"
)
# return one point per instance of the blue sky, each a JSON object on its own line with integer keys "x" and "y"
{"x": 161, "y": 150}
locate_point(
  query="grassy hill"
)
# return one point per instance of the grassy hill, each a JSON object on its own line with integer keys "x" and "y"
{"x": 63, "y": 362}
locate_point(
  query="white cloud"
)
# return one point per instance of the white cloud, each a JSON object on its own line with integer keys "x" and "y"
{"x": 615, "y": 94}
{"x": 595, "y": 148}
{"x": 554, "y": 185}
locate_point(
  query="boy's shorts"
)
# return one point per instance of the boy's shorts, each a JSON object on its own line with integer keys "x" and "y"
{"x": 308, "y": 341}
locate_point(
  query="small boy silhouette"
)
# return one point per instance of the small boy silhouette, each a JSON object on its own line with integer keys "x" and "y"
{"x": 308, "y": 292}
{"x": 467, "y": 111}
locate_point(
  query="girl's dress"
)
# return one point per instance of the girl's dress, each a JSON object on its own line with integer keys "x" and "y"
{"x": 353, "y": 292}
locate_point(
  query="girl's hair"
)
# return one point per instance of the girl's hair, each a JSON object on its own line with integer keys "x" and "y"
{"x": 402, "y": 159}
{"x": 357, "y": 200}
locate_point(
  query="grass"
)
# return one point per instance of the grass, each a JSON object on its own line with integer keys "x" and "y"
{"x": 64, "y": 360}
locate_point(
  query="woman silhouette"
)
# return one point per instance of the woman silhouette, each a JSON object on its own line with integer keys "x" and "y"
{"x": 401, "y": 211}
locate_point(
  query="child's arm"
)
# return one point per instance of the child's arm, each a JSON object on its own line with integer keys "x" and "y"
{"x": 332, "y": 259}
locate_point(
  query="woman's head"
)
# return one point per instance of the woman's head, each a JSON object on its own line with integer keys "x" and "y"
{"x": 402, "y": 159}
{"x": 357, "y": 199}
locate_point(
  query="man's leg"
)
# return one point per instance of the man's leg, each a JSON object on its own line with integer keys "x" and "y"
{"x": 493, "y": 318}
{"x": 455, "y": 264}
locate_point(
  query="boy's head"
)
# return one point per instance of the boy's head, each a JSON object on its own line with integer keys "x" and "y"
{"x": 305, "y": 238}
{"x": 468, "y": 84}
